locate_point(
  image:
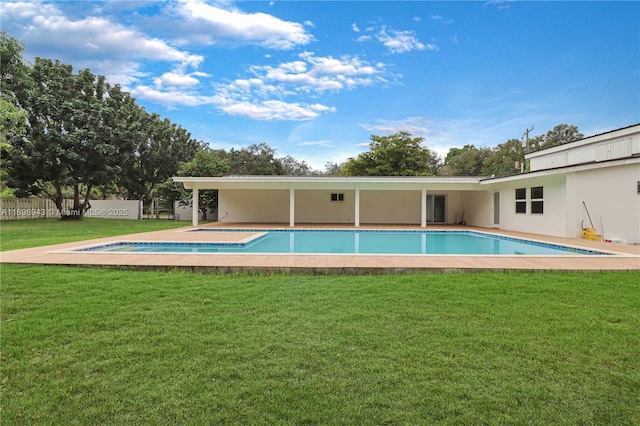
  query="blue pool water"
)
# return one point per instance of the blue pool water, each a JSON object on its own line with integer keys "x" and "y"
{"x": 353, "y": 242}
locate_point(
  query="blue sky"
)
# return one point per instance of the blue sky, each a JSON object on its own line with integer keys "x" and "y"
{"x": 315, "y": 79}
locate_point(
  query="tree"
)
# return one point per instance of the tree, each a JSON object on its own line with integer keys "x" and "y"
{"x": 205, "y": 163}
{"x": 254, "y": 160}
{"x": 561, "y": 134}
{"x": 15, "y": 82}
{"x": 158, "y": 148}
{"x": 293, "y": 167}
{"x": 125, "y": 120}
{"x": 68, "y": 143}
{"x": 502, "y": 159}
{"x": 333, "y": 169}
{"x": 13, "y": 127}
{"x": 41, "y": 162}
{"x": 395, "y": 155}
{"x": 80, "y": 134}
{"x": 96, "y": 158}
{"x": 465, "y": 161}
{"x": 13, "y": 122}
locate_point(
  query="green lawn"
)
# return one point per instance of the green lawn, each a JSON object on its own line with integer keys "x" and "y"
{"x": 19, "y": 234}
{"x": 92, "y": 346}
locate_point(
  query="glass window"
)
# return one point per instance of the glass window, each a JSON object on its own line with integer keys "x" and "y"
{"x": 337, "y": 197}
{"x": 537, "y": 193}
{"x": 521, "y": 206}
{"x": 537, "y": 207}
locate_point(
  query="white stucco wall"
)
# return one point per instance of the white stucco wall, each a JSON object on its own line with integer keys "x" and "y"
{"x": 554, "y": 219}
{"x": 402, "y": 207}
{"x": 315, "y": 206}
{"x": 477, "y": 207}
{"x": 115, "y": 209}
{"x": 245, "y": 205}
{"x": 611, "y": 195}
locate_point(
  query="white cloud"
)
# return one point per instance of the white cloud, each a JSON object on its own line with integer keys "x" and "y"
{"x": 320, "y": 74}
{"x": 96, "y": 36}
{"x": 416, "y": 126}
{"x": 107, "y": 48}
{"x": 264, "y": 95}
{"x": 355, "y": 28}
{"x": 401, "y": 41}
{"x": 442, "y": 19}
{"x": 176, "y": 79}
{"x": 21, "y": 11}
{"x": 124, "y": 53}
{"x": 173, "y": 97}
{"x": 276, "y": 110}
{"x": 396, "y": 41}
{"x": 239, "y": 27}
{"x": 501, "y": 4}
{"x": 125, "y": 73}
{"x": 246, "y": 98}
{"x": 323, "y": 143}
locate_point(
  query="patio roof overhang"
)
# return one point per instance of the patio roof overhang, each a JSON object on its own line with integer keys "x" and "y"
{"x": 332, "y": 183}
{"x": 294, "y": 184}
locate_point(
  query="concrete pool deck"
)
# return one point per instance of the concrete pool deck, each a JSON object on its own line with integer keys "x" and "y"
{"x": 625, "y": 257}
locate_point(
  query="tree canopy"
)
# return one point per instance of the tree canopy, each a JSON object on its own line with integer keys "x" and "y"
{"x": 65, "y": 134}
{"x": 468, "y": 160}
{"x": 394, "y": 155}
{"x": 205, "y": 163}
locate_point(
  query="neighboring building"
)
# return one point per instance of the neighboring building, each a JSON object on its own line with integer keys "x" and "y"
{"x": 601, "y": 172}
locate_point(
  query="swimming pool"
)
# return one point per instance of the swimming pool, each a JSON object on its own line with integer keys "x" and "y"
{"x": 352, "y": 242}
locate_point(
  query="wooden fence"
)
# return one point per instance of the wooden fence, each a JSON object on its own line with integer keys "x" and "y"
{"x": 30, "y": 208}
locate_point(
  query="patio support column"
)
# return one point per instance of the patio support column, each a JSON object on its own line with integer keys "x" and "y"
{"x": 195, "y": 204}
{"x": 423, "y": 208}
{"x": 357, "y": 202}
{"x": 292, "y": 207}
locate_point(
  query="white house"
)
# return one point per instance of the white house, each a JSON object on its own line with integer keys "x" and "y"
{"x": 601, "y": 173}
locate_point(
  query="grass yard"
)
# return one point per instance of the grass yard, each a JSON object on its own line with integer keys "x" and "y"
{"x": 88, "y": 346}
{"x": 19, "y": 234}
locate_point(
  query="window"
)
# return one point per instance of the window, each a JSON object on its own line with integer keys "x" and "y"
{"x": 521, "y": 200}
{"x": 537, "y": 204}
{"x": 337, "y": 197}
{"x": 537, "y": 193}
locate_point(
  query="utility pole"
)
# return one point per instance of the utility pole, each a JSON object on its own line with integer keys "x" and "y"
{"x": 525, "y": 145}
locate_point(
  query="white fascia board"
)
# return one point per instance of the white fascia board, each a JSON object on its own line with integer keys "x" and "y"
{"x": 333, "y": 183}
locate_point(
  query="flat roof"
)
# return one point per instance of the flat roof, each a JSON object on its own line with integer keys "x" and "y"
{"x": 330, "y": 182}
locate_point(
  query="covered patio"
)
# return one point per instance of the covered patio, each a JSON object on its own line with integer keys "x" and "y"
{"x": 341, "y": 200}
